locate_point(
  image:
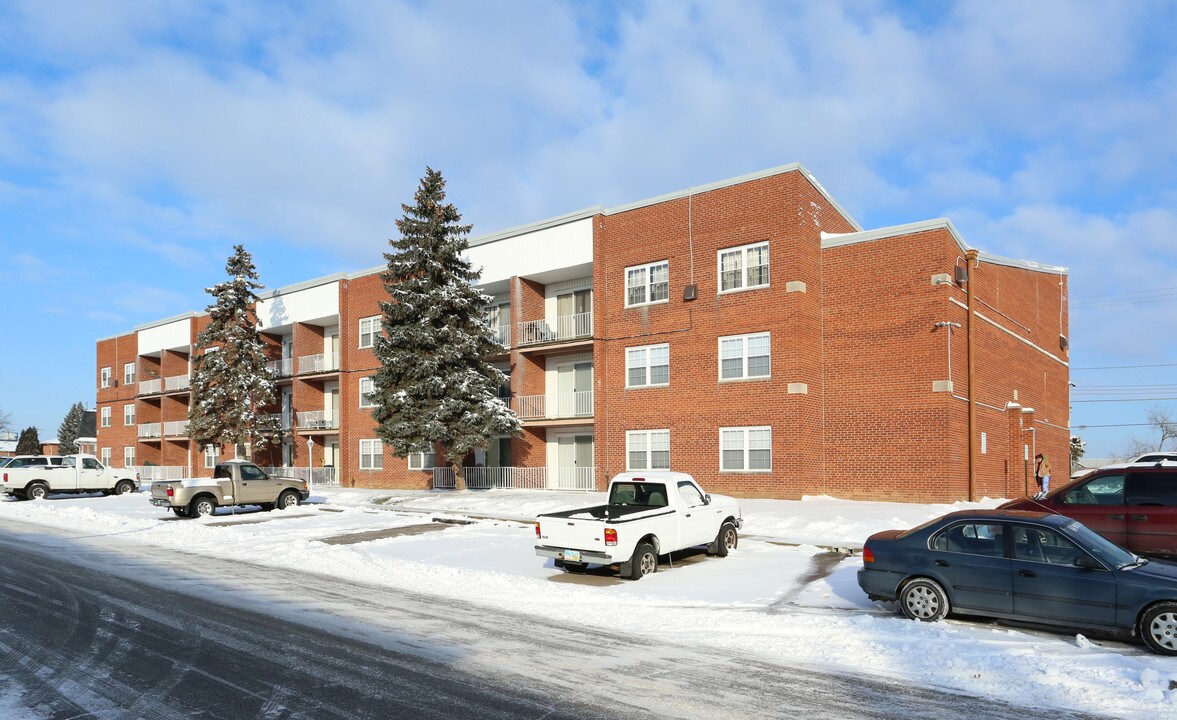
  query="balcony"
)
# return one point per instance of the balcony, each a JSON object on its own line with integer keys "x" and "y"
{"x": 321, "y": 363}
{"x": 501, "y": 334}
{"x": 285, "y": 421}
{"x": 175, "y": 428}
{"x": 150, "y": 387}
{"x": 519, "y": 478}
{"x": 554, "y": 406}
{"x": 281, "y": 368}
{"x": 565, "y": 329}
{"x": 317, "y": 420}
{"x": 176, "y": 383}
{"x": 150, "y": 430}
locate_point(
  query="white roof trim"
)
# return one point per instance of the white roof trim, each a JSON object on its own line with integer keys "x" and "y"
{"x": 833, "y": 240}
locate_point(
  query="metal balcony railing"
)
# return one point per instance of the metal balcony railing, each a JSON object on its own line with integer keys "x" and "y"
{"x": 285, "y": 421}
{"x": 175, "y": 428}
{"x": 151, "y": 473}
{"x": 566, "y": 327}
{"x": 554, "y": 405}
{"x": 501, "y": 334}
{"x": 150, "y": 430}
{"x": 176, "y": 383}
{"x": 518, "y": 478}
{"x": 317, "y": 420}
{"x": 315, "y": 476}
{"x": 150, "y": 387}
{"x": 323, "y": 362}
{"x": 281, "y": 368}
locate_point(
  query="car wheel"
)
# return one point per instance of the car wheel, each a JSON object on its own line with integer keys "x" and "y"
{"x": 1158, "y": 627}
{"x": 180, "y": 512}
{"x": 124, "y": 487}
{"x": 202, "y": 506}
{"x": 287, "y": 499}
{"x": 924, "y": 600}
{"x": 37, "y": 491}
{"x": 644, "y": 562}
{"x": 727, "y": 540}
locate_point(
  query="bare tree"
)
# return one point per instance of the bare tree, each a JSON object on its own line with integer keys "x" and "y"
{"x": 5, "y": 421}
{"x": 1162, "y": 422}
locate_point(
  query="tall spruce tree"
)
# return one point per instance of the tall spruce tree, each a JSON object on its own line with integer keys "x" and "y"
{"x": 230, "y": 383}
{"x": 435, "y": 386}
{"x": 70, "y": 428}
{"x": 29, "y": 442}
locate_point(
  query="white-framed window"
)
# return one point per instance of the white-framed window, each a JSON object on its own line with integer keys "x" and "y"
{"x": 371, "y": 454}
{"x": 743, "y": 268}
{"x": 211, "y": 452}
{"x": 421, "y": 460}
{"x": 367, "y": 392}
{"x": 104, "y": 456}
{"x": 128, "y": 373}
{"x": 647, "y": 365}
{"x": 745, "y": 449}
{"x": 647, "y": 450}
{"x": 105, "y": 378}
{"x": 369, "y": 329}
{"x": 647, "y": 284}
{"x": 129, "y": 414}
{"x": 128, "y": 457}
{"x": 104, "y": 416}
{"x": 745, "y": 356}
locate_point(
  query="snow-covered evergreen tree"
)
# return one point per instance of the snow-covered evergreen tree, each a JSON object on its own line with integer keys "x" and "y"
{"x": 29, "y": 442}
{"x": 435, "y": 386}
{"x": 230, "y": 383}
{"x": 67, "y": 433}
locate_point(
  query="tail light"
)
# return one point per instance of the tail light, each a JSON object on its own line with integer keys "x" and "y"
{"x": 867, "y": 555}
{"x": 171, "y": 491}
{"x": 610, "y": 536}
{"x": 537, "y": 530}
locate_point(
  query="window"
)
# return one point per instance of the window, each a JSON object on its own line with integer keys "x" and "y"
{"x": 369, "y": 329}
{"x": 647, "y": 365}
{"x": 747, "y": 449}
{"x": 743, "y": 357}
{"x": 128, "y": 457}
{"x": 1152, "y": 488}
{"x": 972, "y": 539}
{"x": 690, "y": 494}
{"x": 647, "y": 450}
{"x": 743, "y": 268}
{"x": 128, "y": 373}
{"x": 1105, "y": 490}
{"x": 367, "y": 390}
{"x": 105, "y": 456}
{"x": 128, "y": 414}
{"x": 104, "y": 414}
{"x": 91, "y": 464}
{"x": 421, "y": 460}
{"x": 371, "y": 455}
{"x": 105, "y": 378}
{"x": 645, "y": 284}
{"x": 1036, "y": 544}
{"x": 210, "y": 456}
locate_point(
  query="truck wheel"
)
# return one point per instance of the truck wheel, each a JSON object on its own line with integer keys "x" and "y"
{"x": 644, "y": 562}
{"x": 37, "y": 491}
{"x": 124, "y": 487}
{"x": 287, "y": 499}
{"x": 202, "y": 506}
{"x": 726, "y": 540}
{"x": 180, "y": 512}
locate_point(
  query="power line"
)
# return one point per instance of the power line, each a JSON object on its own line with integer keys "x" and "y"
{"x": 1125, "y": 367}
{"x": 1084, "y": 427}
{"x": 1143, "y": 399}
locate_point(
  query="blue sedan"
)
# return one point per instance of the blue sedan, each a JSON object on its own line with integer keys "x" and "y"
{"x": 1027, "y": 566}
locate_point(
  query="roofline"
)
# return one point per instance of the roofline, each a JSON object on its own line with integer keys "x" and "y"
{"x": 833, "y": 240}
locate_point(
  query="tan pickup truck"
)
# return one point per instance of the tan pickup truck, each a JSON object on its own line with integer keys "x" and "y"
{"x": 236, "y": 482}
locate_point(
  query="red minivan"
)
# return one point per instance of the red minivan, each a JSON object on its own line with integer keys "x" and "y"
{"x": 1134, "y": 505}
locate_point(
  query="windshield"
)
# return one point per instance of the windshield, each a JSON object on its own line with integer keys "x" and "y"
{"x": 1099, "y": 546}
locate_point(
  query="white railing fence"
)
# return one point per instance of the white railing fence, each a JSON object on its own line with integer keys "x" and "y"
{"x": 323, "y": 362}
{"x": 517, "y": 478}
{"x": 315, "y": 476}
{"x": 151, "y": 473}
{"x": 567, "y": 327}
{"x": 281, "y": 368}
{"x": 150, "y": 430}
{"x": 501, "y": 334}
{"x": 150, "y": 387}
{"x": 175, "y": 427}
{"x": 554, "y": 405}
{"x": 176, "y": 382}
{"x": 317, "y": 420}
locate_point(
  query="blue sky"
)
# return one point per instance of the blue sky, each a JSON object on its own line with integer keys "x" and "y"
{"x": 141, "y": 140}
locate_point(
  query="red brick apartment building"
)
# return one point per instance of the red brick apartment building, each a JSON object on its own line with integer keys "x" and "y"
{"x": 748, "y": 332}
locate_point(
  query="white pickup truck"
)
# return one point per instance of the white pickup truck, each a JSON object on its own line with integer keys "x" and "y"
{"x": 648, "y": 514}
{"x": 75, "y": 474}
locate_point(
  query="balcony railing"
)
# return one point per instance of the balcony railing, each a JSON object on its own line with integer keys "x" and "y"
{"x": 281, "y": 368}
{"x": 566, "y": 327}
{"x": 554, "y": 405}
{"x": 317, "y": 420}
{"x": 150, "y": 430}
{"x": 518, "y": 478}
{"x": 284, "y": 420}
{"x": 175, "y": 428}
{"x": 315, "y": 476}
{"x": 151, "y": 473}
{"x": 323, "y": 362}
{"x": 150, "y": 387}
{"x": 176, "y": 383}
{"x": 501, "y": 334}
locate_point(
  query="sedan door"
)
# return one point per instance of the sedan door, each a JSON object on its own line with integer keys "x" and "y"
{"x": 1049, "y": 587}
{"x": 1098, "y": 504}
{"x": 1151, "y": 506}
{"x": 970, "y": 558}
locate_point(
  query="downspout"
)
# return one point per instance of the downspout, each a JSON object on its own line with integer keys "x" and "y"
{"x": 971, "y": 258}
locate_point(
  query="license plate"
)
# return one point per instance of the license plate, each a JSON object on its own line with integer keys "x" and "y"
{"x": 572, "y": 556}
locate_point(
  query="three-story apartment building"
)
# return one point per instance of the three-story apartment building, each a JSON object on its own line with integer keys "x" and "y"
{"x": 749, "y": 332}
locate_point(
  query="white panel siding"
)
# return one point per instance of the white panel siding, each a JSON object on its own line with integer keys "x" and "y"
{"x": 311, "y": 303}
{"x": 551, "y": 248}
{"x": 176, "y": 334}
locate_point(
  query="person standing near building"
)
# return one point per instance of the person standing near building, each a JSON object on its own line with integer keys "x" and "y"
{"x": 1042, "y": 473}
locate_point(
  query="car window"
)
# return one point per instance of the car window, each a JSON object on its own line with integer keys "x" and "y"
{"x": 222, "y": 472}
{"x": 690, "y": 494}
{"x": 1036, "y": 544}
{"x": 972, "y": 539}
{"x": 1152, "y": 488}
{"x": 251, "y": 472}
{"x": 91, "y": 464}
{"x": 1103, "y": 490}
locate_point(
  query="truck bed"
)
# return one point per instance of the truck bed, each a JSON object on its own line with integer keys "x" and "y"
{"x": 600, "y": 512}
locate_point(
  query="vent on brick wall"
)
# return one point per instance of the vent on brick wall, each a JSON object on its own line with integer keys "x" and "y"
{"x": 690, "y": 292}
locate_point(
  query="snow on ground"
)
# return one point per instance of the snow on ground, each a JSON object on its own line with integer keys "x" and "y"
{"x": 759, "y": 602}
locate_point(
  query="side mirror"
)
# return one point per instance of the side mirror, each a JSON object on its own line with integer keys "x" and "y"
{"x": 1087, "y": 562}
{"x": 707, "y": 499}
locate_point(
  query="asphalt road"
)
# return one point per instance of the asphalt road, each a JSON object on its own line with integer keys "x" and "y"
{"x": 98, "y": 628}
